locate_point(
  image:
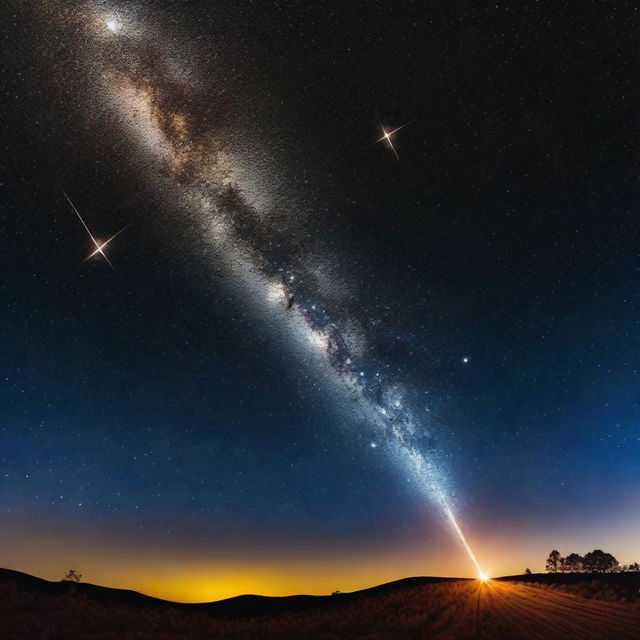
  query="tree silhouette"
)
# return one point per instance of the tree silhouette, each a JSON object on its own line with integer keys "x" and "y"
{"x": 574, "y": 562}
{"x": 553, "y": 561}
{"x": 611, "y": 563}
{"x": 73, "y": 576}
{"x": 592, "y": 560}
{"x": 527, "y": 572}
{"x": 597, "y": 561}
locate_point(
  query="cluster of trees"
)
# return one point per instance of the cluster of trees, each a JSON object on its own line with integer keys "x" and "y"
{"x": 596, "y": 561}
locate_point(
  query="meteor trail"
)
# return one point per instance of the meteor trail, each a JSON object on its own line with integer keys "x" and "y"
{"x": 454, "y": 523}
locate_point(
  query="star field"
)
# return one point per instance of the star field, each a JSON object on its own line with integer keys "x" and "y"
{"x": 370, "y": 263}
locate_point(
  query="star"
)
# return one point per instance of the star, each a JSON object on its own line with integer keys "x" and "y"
{"x": 465, "y": 359}
{"x": 386, "y": 136}
{"x": 99, "y": 245}
{"x": 102, "y": 245}
{"x": 114, "y": 25}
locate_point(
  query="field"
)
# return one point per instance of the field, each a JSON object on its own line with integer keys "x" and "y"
{"x": 417, "y": 608}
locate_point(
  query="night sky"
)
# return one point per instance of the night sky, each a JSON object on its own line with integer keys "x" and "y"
{"x": 312, "y": 358}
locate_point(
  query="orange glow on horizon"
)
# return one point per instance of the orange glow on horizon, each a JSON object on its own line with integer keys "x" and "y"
{"x": 186, "y": 573}
{"x": 171, "y": 574}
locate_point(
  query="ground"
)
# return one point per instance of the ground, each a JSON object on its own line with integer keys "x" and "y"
{"x": 418, "y": 608}
{"x": 517, "y": 610}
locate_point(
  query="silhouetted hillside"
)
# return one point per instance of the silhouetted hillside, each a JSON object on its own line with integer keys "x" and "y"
{"x": 552, "y": 607}
{"x": 248, "y": 605}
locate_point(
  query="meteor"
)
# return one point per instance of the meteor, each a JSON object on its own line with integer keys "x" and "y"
{"x": 454, "y": 523}
{"x": 429, "y": 478}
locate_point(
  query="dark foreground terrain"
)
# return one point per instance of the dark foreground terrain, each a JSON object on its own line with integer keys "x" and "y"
{"x": 536, "y": 606}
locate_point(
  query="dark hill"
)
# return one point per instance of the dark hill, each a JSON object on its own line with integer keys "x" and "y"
{"x": 248, "y": 605}
{"x": 532, "y": 607}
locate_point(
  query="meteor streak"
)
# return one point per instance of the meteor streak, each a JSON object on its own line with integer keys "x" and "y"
{"x": 456, "y": 527}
